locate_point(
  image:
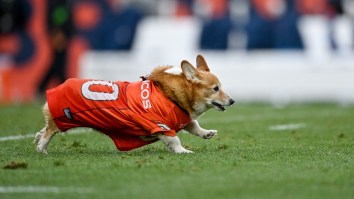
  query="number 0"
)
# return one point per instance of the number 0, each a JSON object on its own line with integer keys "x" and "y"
{"x": 99, "y": 96}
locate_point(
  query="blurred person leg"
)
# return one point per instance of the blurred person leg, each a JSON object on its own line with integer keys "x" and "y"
{"x": 57, "y": 67}
{"x": 118, "y": 28}
{"x": 314, "y": 28}
{"x": 215, "y": 34}
{"x": 259, "y": 32}
{"x": 217, "y": 25}
{"x": 261, "y": 27}
{"x": 60, "y": 30}
{"x": 341, "y": 26}
{"x": 286, "y": 33}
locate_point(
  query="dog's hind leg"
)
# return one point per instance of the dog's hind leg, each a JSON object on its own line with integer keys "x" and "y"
{"x": 39, "y": 135}
{"x": 173, "y": 143}
{"x": 44, "y": 136}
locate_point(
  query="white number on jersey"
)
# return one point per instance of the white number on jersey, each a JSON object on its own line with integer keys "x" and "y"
{"x": 99, "y": 96}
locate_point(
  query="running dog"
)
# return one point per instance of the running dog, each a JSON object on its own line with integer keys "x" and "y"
{"x": 134, "y": 114}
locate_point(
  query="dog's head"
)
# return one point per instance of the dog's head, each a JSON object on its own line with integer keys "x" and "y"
{"x": 206, "y": 87}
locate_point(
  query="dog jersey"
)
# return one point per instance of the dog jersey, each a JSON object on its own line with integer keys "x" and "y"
{"x": 129, "y": 113}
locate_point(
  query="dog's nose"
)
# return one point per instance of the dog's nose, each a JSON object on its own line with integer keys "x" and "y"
{"x": 231, "y": 101}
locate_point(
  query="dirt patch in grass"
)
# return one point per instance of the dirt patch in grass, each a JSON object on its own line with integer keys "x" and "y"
{"x": 16, "y": 165}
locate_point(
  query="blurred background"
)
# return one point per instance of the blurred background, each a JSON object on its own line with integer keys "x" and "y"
{"x": 278, "y": 51}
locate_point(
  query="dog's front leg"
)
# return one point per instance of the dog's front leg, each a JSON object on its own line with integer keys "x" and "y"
{"x": 194, "y": 128}
{"x": 173, "y": 143}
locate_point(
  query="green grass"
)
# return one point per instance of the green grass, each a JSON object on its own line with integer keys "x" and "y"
{"x": 246, "y": 160}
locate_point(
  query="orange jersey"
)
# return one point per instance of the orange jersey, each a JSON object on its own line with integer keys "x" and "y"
{"x": 129, "y": 113}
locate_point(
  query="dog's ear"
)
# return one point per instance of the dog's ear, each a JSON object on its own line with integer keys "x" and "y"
{"x": 189, "y": 71}
{"x": 201, "y": 63}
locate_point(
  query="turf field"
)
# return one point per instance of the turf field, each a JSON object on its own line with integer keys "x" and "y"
{"x": 299, "y": 151}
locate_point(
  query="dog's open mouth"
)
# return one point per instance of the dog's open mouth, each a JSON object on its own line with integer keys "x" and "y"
{"x": 218, "y": 106}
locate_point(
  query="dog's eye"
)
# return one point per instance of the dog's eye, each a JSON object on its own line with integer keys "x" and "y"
{"x": 216, "y": 88}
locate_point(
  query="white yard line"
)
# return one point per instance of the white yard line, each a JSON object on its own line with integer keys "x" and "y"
{"x": 16, "y": 137}
{"x": 20, "y": 137}
{"x": 243, "y": 118}
{"x": 282, "y": 127}
{"x": 44, "y": 189}
{"x": 236, "y": 118}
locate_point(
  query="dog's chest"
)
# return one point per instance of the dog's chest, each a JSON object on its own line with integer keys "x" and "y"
{"x": 145, "y": 99}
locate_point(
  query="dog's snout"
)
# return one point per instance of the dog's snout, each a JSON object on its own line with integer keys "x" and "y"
{"x": 231, "y": 101}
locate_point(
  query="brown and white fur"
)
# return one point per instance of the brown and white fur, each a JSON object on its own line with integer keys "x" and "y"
{"x": 194, "y": 89}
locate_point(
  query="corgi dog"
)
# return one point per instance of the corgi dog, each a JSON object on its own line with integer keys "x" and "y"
{"x": 134, "y": 114}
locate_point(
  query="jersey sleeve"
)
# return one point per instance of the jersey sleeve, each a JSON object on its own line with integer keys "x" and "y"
{"x": 150, "y": 123}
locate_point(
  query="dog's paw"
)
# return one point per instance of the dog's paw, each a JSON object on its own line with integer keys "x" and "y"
{"x": 42, "y": 150}
{"x": 37, "y": 138}
{"x": 42, "y": 146}
{"x": 182, "y": 150}
{"x": 185, "y": 151}
{"x": 210, "y": 134}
